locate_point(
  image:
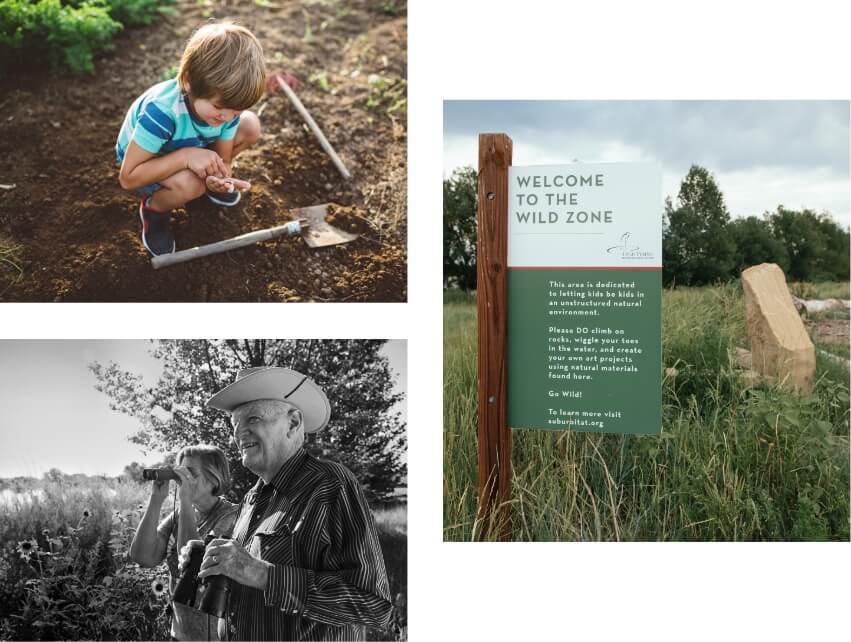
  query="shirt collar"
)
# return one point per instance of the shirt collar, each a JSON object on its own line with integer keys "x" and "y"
{"x": 284, "y": 476}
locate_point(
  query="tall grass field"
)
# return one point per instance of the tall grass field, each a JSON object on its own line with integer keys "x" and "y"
{"x": 65, "y": 573}
{"x": 734, "y": 461}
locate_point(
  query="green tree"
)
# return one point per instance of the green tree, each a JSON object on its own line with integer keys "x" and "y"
{"x": 133, "y": 472}
{"x": 756, "y": 244}
{"x": 834, "y": 264}
{"x": 459, "y": 229}
{"x": 54, "y": 475}
{"x": 696, "y": 246}
{"x": 365, "y": 433}
{"x": 801, "y": 234}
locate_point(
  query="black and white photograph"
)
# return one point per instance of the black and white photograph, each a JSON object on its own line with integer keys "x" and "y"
{"x": 203, "y": 490}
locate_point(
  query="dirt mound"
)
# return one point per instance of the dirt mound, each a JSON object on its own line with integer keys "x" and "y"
{"x": 76, "y": 234}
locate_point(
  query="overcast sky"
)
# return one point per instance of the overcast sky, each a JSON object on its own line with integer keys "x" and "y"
{"x": 762, "y": 153}
{"x": 52, "y": 416}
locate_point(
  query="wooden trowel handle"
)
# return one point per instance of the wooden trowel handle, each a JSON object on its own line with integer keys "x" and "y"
{"x": 293, "y": 228}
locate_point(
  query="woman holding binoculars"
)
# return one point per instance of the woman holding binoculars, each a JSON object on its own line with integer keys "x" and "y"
{"x": 203, "y": 476}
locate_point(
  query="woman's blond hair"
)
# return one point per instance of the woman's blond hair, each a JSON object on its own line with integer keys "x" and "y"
{"x": 224, "y": 60}
{"x": 214, "y": 465}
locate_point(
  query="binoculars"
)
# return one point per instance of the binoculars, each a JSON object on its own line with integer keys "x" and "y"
{"x": 215, "y": 589}
{"x": 159, "y": 474}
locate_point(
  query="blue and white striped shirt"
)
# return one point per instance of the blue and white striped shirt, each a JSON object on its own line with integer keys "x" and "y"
{"x": 328, "y": 581}
{"x": 160, "y": 122}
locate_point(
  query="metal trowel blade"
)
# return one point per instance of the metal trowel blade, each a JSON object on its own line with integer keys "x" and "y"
{"x": 319, "y": 233}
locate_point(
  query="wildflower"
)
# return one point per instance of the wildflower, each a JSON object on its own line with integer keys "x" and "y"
{"x": 86, "y": 513}
{"x": 27, "y": 548}
{"x": 140, "y": 507}
{"x": 46, "y": 532}
{"x": 158, "y": 587}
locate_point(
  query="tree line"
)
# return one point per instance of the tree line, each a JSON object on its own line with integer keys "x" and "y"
{"x": 701, "y": 243}
{"x": 366, "y": 433}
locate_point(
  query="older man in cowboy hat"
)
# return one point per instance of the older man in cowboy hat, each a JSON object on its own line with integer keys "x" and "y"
{"x": 304, "y": 561}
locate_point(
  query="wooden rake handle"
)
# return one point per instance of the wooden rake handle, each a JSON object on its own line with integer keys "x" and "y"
{"x": 314, "y": 128}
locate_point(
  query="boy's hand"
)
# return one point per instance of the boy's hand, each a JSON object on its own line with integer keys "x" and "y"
{"x": 216, "y": 184}
{"x": 206, "y": 162}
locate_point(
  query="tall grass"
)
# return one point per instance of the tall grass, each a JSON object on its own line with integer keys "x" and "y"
{"x": 732, "y": 462}
{"x": 77, "y": 582}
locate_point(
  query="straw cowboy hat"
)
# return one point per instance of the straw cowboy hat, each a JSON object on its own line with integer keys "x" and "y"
{"x": 283, "y": 384}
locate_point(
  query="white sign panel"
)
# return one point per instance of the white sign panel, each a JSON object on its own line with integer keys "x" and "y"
{"x": 585, "y": 215}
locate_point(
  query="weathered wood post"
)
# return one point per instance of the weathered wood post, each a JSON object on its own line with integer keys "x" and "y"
{"x": 494, "y": 437}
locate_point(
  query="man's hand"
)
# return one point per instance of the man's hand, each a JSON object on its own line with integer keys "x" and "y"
{"x": 216, "y": 184}
{"x": 226, "y": 557}
{"x": 206, "y": 162}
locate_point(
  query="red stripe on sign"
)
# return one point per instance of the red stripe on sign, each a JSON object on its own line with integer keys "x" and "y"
{"x": 578, "y": 267}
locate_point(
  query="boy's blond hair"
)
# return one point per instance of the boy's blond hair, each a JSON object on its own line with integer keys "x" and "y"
{"x": 224, "y": 60}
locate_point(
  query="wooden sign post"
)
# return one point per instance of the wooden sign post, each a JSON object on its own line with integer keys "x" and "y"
{"x": 494, "y": 437}
{"x": 569, "y": 287}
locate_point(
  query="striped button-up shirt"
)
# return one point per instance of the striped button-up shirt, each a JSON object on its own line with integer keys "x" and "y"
{"x": 328, "y": 581}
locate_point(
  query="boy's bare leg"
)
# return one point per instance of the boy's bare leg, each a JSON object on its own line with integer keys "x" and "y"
{"x": 177, "y": 190}
{"x": 247, "y": 133}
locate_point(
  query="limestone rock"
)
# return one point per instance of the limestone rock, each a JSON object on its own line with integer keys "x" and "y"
{"x": 780, "y": 345}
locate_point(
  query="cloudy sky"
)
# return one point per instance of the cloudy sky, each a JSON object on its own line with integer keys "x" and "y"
{"x": 53, "y": 416}
{"x": 762, "y": 153}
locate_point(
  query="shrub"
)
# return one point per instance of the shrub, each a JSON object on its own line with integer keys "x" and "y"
{"x": 67, "y": 34}
{"x": 132, "y": 12}
{"x": 75, "y": 583}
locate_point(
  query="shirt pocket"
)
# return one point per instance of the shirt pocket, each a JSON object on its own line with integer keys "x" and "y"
{"x": 275, "y": 547}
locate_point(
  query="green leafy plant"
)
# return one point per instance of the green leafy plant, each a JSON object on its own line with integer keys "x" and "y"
{"x": 389, "y": 93}
{"x": 320, "y": 79}
{"x": 169, "y": 73}
{"x": 64, "y": 34}
{"x": 76, "y": 582}
{"x": 68, "y": 34}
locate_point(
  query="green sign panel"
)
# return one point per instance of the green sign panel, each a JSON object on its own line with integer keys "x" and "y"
{"x": 584, "y": 297}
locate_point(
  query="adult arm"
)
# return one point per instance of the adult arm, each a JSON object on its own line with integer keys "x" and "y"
{"x": 186, "y": 527}
{"x": 149, "y": 546}
{"x": 351, "y": 586}
{"x": 350, "y": 583}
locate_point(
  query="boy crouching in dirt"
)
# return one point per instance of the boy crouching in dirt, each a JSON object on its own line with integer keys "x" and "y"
{"x": 179, "y": 137}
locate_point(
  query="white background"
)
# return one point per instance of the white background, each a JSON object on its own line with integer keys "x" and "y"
{"x": 535, "y": 49}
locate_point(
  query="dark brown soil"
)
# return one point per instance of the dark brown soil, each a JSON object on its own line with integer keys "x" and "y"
{"x": 76, "y": 236}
